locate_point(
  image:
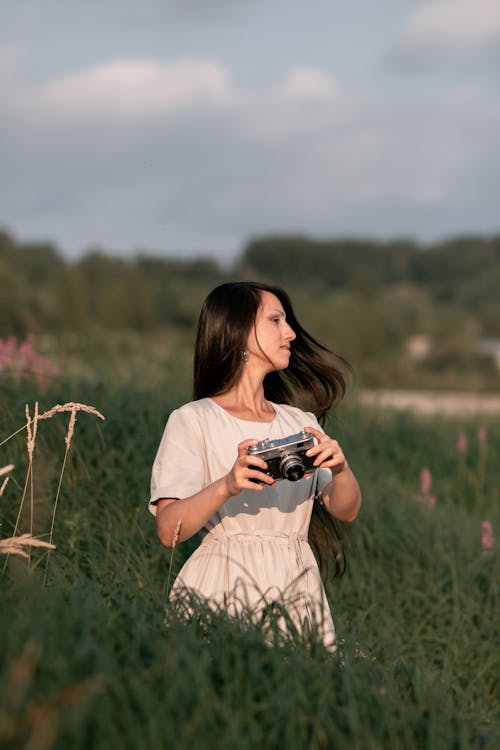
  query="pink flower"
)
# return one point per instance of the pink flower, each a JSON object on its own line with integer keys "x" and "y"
{"x": 487, "y": 538}
{"x": 481, "y": 435}
{"x": 425, "y": 496}
{"x": 22, "y": 361}
{"x": 462, "y": 442}
{"x": 425, "y": 481}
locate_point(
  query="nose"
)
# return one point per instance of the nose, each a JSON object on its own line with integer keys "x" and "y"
{"x": 290, "y": 334}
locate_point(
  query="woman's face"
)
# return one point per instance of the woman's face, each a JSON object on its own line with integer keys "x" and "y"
{"x": 270, "y": 338}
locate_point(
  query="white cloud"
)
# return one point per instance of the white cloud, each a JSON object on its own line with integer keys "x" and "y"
{"x": 138, "y": 88}
{"x": 309, "y": 83}
{"x": 448, "y": 32}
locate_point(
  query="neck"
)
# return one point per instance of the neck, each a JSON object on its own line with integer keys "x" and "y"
{"x": 246, "y": 399}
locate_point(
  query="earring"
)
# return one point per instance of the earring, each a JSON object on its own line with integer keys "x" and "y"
{"x": 244, "y": 356}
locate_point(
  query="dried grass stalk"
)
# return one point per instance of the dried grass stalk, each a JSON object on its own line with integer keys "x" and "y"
{"x": 55, "y": 410}
{"x": 32, "y": 428}
{"x": 6, "y": 469}
{"x": 70, "y": 406}
{"x": 177, "y": 532}
{"x": 3, "y": 485}
{"x": 15, "y": 545}
{"x": 71, "y": 427}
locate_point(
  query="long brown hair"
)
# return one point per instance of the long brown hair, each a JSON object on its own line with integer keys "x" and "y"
{"x": 315, "y": 379}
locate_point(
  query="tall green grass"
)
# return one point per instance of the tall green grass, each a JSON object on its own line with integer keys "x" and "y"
{"x": 96, "y": 657}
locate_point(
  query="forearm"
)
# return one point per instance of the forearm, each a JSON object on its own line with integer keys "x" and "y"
{"x": 342, "y": 496}
{"x": 192, "y": 513}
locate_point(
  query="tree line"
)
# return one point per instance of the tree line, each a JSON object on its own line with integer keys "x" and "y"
{"x": 400, "y": 312}
{"x": 42, "y": 291}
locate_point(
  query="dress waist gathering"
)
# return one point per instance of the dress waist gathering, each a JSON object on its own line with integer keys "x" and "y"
{"x": 263, "y": 535}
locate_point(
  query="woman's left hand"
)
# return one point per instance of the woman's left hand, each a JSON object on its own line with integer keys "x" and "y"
{"x": 341, "y": 497}
{"x": 328, "y": 452}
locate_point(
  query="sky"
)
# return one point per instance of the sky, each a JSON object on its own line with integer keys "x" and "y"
{"x": 189, "y": 127}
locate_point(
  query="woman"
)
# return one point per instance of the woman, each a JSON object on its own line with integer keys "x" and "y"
{"x": 254, "y": 364}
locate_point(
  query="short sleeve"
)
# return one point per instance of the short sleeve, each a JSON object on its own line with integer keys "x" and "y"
{"x": 179, "y": 465}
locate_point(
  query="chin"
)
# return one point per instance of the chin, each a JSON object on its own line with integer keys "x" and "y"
{"x": 283, "y": 364}
{"x": 280, "y": 361}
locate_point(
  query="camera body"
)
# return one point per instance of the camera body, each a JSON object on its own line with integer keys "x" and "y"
{"x": 286, "y": 457}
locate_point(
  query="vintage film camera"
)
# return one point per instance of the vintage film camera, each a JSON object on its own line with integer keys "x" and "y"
{"x": 285, "y": 458}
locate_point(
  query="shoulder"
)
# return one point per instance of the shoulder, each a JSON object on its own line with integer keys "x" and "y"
{"x": 185, "y": 428}
{"x": 193, "y": 414}
{"x": 296, "y": 413}
{"x": 199, "y": 409}
{"x": 294, "y": 419}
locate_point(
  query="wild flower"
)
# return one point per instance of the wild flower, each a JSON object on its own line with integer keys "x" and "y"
{"x": 425, "y": 496}
{"x": 19, "y": 359}
{"x": 481, "y": 461}
{"x": 487, "y": 538}
{"x": 425, "y": 481}
{"x": 462, "y": 442}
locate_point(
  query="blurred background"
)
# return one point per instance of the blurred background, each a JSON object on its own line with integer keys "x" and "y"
{"x": 346, "y": 151}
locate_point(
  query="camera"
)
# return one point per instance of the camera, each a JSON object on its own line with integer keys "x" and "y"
{"x": 285, "y": 458}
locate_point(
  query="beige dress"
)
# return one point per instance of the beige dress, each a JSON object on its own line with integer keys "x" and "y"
{"x": 254, "y": 550}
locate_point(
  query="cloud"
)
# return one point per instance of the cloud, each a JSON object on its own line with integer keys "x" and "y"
{"x": 309, "y": 83}
{"x": 448, "y": 32}
{"x": 138, "y": 88}
{"x": 174, "y": 155}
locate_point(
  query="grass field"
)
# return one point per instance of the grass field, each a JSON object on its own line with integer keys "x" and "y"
{"x": 94, "y": 658}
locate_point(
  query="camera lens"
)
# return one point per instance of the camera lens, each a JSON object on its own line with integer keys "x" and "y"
{"x": 292, "y": 467}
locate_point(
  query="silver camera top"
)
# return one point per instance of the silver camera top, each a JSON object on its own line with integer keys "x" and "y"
{"x": 275, "y": 447}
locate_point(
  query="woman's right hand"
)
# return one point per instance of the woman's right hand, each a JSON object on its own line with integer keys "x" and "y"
{"x": 241, "y": 475}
